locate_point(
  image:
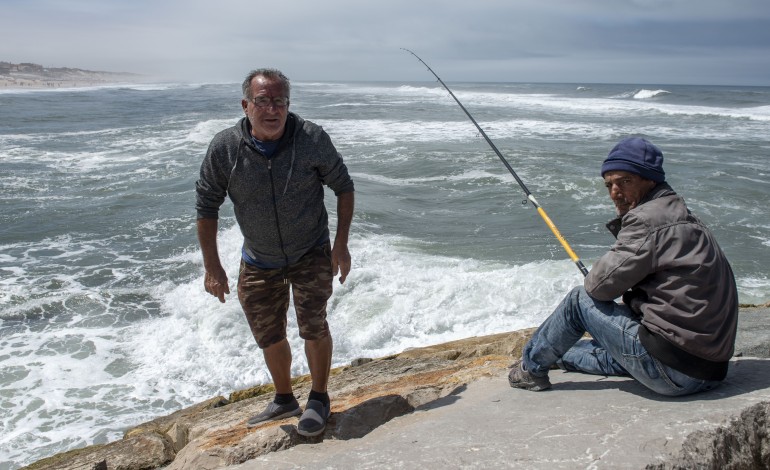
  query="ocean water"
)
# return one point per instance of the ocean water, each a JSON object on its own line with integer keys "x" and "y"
{"x": 104, "y": 323}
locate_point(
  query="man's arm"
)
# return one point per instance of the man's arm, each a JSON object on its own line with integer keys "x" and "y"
{"x": 340, "y": 253}
{"x": 215, "y": 279}
{"x": 629, "y": 261}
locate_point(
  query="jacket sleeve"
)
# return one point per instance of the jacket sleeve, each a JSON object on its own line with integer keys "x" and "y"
{"x": 211, "y": 187}
{"x": 333, "y": 171}
{"x": 628, "y": 262}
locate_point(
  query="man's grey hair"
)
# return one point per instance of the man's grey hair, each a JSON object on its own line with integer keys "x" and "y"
{"x": 270, "y": 74}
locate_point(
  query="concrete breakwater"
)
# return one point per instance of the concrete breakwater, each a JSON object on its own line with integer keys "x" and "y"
{"x": 450, "y": 405}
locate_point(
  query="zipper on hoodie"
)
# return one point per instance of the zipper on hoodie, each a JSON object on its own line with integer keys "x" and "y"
{"x": 277, "y": 224}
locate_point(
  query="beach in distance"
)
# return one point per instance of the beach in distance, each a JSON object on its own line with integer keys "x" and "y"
{"x": 104, "y": 323}
{"x": 28, "y": 76}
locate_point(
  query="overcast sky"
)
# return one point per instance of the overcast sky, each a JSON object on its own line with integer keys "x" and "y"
{"x": 576, "y": 41}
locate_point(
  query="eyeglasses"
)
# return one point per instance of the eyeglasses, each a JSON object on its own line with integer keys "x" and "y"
{"x": 265, "y": 101}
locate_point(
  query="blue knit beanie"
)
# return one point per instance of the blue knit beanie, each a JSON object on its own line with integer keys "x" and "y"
{"x": 638, "y": 156}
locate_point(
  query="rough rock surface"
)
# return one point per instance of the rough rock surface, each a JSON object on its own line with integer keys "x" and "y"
{"x": 584, "y": 421}
{"x": 743, "y": 443}
{"x": 753, "y": 332}
{"x": 213, "y": 434}
{"x": 370, "y": 393}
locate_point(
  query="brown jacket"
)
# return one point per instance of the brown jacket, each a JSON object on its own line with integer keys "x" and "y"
{"x": 670, "y": 270}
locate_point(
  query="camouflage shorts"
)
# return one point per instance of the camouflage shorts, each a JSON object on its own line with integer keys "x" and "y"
{"x": 264, "y": 296}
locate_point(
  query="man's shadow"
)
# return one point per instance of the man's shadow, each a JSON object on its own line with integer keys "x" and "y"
{"x": 363, "y": 418}
{"x": 745, "y": 375}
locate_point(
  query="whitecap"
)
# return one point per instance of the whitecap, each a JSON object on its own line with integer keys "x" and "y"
{"x": 204, "y": 131}
{"x": 647, "y": 94}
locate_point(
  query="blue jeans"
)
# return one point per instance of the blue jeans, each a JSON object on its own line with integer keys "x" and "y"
{"x": 614, "y": 350}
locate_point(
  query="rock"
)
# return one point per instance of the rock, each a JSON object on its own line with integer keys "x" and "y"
{"x": 360, "y": 361}
{"x": 364, "y": 397}
{"x": 744, "y": 443}
{"x": 371, "y": 392}
{"x": 213, "y": 434}
{"x": 753, "y": 332}
{"x": 142, "y": 451}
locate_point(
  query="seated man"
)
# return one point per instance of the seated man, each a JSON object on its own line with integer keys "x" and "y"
{"x": 675, "y": 330}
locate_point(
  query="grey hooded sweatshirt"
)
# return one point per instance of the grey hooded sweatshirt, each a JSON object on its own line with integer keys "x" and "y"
{"x": 670, "y": 270}
{"x": 278, "y": 201}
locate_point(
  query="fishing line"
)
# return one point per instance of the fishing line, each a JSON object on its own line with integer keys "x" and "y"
{"x": 529, "y": 195}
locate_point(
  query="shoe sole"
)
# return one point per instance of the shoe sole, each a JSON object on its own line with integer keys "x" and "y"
{"x": 310, "y": 433}
{"x": 530, "y": 387}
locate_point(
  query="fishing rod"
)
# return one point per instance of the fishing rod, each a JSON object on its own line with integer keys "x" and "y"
{"x": 530, "y": 197}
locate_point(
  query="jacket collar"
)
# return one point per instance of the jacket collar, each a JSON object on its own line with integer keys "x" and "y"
{"x": 660, "y": 190}
{"x": 293, "y": 123}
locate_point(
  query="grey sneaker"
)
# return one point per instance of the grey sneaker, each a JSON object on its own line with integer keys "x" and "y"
{"x": 275, "y": 411}
{"x": 313, "y": 420}
{"x": 518, "y": 377}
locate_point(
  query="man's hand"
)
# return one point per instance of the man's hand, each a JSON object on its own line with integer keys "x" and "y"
{"x": 215, "y": 280}
{"x": 216, "y": 284}
{"x": 340, "y": 253}
{"x": 340, "y": 261}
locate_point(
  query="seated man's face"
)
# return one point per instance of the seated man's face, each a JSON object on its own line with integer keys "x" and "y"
{"x": 626, "y": 189}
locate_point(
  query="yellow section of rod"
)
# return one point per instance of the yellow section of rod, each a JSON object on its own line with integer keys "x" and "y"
{"x": 555, "y": 231}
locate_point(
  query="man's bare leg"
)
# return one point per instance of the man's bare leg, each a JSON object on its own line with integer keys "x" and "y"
{"x": 278, "y": 360}
{"x": 319, "y": 360}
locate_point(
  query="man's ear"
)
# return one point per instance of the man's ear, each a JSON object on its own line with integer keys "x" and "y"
{"x": 650, "y": 184}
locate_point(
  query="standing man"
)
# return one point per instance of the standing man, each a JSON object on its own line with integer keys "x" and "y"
{"x": 273, "y": 165}
{"x": 675, "y": 330}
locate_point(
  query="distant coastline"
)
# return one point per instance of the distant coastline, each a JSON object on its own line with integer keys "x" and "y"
{"x": 34, "y": 76}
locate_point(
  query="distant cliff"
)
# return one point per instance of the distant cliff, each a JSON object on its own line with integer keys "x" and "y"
{"x": 38, "y": 76}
